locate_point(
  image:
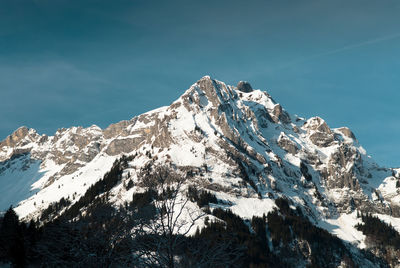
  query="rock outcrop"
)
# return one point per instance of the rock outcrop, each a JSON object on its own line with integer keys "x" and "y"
{"x": 244, "y": 86}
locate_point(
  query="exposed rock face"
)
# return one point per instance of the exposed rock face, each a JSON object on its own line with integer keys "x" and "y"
{"x": 15, "y": 137}
{"x": 280, "y": 115}
{"x": 242, "y": 145}
{"x": 244, "y": 86}
{"x": 285, "y": 143}
{"x": 18, "y": 139}
{"x": 347, "y": 132}
{"x": 319, "y": 132}
{"x": 321, "y": 139}
{"x": 317, "y": 124}
{"x": 68, "y": 147}
{"x": 342, "y": 168}
{"x": 122, "y": 146}
{"x": 116, "y": 129}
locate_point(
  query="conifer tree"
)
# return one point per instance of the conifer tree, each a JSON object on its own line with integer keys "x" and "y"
{"x": 11, "y": 238}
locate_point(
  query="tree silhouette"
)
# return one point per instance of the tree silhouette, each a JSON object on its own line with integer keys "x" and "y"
{"x": 11, "y": 239}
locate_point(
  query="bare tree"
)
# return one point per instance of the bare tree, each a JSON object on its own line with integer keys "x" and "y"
{"x": 151, "y": 231}
{"x": 159, "y": 241}
{"x": 162, "y": 241}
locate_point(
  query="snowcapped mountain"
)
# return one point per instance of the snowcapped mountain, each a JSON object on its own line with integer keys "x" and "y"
{"x": 236, "y": 142}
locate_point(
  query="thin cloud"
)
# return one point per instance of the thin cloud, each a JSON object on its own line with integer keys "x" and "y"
{"x": 338, "y": 50}
{"x": 365, "y": 43}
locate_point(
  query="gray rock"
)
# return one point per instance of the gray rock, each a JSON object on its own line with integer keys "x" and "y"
{"x": 278, "y": 114}
{"x": 122, "y": 146}
{"x": 317, "y": 124}
{"x": 244, "y": 87}
{"x": 321, "y": 139}
{"x": 347, "y": 132}
{"x": 116, "y": 129}
{"x": 286, "y": 144}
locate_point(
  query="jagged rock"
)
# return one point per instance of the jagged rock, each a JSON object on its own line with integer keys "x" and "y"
{"x": 285, "y": 143}
{"x": 341, "y": 169}
{"x": 209, "y": 87}
{"x": 43, "y": 139}
{"x": 280, "y": 115}
{"x": 119, "y": 146}
{"x": 347, "y": 132}
{"x": 225, "y": 141}
{"x": 15, "y": 137}
{"x": 321, "y": 139}
{"x": 317, "y": 124}
{"x": 318, "y": 131}
{"x": 244, "y": 86}
{"x": 114, "y": 130}
{"x": 19, "y": 151}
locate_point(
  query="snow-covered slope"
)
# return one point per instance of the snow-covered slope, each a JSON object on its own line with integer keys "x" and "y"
{"x": 234, "y": 141}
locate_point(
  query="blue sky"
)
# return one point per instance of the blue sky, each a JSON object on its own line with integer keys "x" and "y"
{"x": 66, "y": 63}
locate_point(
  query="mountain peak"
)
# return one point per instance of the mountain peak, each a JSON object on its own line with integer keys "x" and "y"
{"x": 235, "y": 141}
{"x": 244, "y": 86}
{"x": 18, "y": 135}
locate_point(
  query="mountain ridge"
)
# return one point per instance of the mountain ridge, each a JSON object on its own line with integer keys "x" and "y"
{"x": 236, "y": 142}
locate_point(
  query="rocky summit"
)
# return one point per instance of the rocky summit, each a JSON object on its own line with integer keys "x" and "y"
{"x": 234, "y": 143}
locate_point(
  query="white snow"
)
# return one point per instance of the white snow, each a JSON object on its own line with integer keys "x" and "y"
{"x": 74, "y": 184}
{"x": 194, "y": 130}
{"x": 17, "y": 180}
